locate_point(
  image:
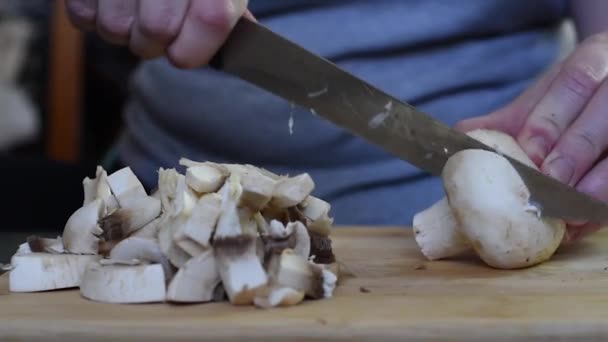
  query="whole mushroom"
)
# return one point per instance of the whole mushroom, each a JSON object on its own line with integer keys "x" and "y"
{"x": 488, "y": 209}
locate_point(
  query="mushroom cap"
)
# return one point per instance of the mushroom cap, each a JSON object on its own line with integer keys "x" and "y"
{"x": 142, "y": 249}
{"x": 80, "y": 235}
{"x": 492, "y": 205}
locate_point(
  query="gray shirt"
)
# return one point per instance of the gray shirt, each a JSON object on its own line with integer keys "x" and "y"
{"x": 453, "y": 59}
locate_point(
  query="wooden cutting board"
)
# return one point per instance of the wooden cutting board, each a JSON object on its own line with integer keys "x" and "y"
{"x": 388, "y": 292}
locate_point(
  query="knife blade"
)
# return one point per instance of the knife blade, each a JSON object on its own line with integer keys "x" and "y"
{"x": 271, "y": 62}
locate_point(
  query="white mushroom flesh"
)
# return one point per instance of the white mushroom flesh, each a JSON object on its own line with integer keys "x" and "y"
{"x": 35, "y": 272}
{"x": 124, "y": 284}
{"x": 196, "y": 280}
{"x": 204, "y": 178}
{"x": 292, "y": 191}
{"x": 81, "y": 232}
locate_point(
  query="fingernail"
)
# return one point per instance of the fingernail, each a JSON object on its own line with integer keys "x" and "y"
{"x": 561, "y": 169}
{"x": 536, "y": 147}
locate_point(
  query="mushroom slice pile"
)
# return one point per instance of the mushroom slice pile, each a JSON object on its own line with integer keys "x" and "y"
{"x": 114, "y": 207}
{"x": 488, "y": 210}
{"x": 217, "y": 232}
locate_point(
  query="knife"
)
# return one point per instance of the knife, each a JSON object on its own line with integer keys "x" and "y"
{"x": 263, "y": 58}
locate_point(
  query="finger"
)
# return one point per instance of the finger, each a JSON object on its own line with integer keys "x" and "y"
{"x": 82, "y": 13}
{"x": 205, "y": 28}
{"x": 595, "y": 182}
{"x": 510, "y": 119}
{"x": 157, "y": 24}
{"x": 582, "y": 143}
{"x": 114, "y": 20}
{"x": 577, "y": 81}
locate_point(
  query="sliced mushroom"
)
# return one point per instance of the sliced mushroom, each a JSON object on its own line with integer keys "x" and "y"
{"x": 196, "y": 281}
{"x": 279, "y": 297}
{"x": 302, "y": 246}
{"x": 492, "y": 205}
{"x": 167, "y": 187}
{"x": 185, "y": 198}
{"x": 81, "y": 232}
{"x": 168, "y": 246}
{"x": 240, "y": 269}
{"x": 150, "y": 230}
{"x": 99, "y": 188}
{"x": 292, "y": 191}
{"x": 126, "y": 187}
{"x": 316, "y": 212}
{"x": 257, "y": 184}
{"x": 190, "y": 247}
{"x": 129, "y": 219}
{"x": 205, "y": 178}
{"x": 200, "y": 225}
{"x": 292, "y": 236}
{"x": 278, "y": 231}
{"x": 39, "y": 244}
{"x": 124, "y": 284}
{"x": 35, "y": 272}
{"x": 142, "y": 249}
{"x": 294, "y": 271}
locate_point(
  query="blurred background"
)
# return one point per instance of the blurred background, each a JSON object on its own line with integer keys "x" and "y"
{"x": 61, "y": 96}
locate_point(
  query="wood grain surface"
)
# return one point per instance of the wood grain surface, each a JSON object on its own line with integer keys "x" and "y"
{"x": 388, "y": 292}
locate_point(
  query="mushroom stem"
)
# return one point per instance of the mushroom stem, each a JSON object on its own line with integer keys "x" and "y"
{"x": 436, "y": 232}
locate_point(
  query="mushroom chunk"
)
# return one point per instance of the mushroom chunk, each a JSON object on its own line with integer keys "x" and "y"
{"x": 35, "y": 272}
{"x": 292, "y": 191}
{"x": 39, "y": 244}
{"x": 196, "y": 280}
{"x": 123, "y": 283}
{"x": 492, "y": 205}
{"x": 81, "y": 232}
{"x": 168, "y": 246}
{"x": 240, "y": 268}
{"x": 126, "y": 187}
{"x": 99, "y": 188}
{"x": 200, "y": 225}
{"x": 127, "y": 220}
{"x": 316, "y": 212}
{"x": 291, "y": 270}
{"x": 143, "y": 250}
{"x": 205, "y": 178}
{"x": 279, "y": 297}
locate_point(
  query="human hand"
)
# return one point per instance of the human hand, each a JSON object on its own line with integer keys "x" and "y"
{"x": 561, "y": 122}
{"x": 187, "y": 32}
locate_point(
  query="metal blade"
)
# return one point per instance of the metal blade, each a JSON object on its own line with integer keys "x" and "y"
{"x": 271, "y": 62}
